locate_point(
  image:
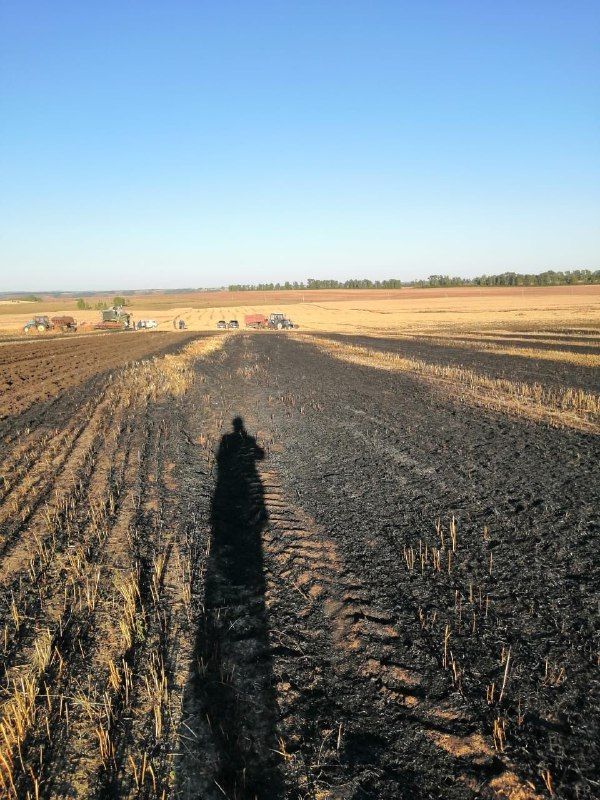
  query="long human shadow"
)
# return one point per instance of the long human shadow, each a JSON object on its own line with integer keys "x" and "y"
{"x": 238, "y": 684}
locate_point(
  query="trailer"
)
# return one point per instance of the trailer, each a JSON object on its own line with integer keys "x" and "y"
{"x": 255, "y": 321}
{"x": 65, "y": 323}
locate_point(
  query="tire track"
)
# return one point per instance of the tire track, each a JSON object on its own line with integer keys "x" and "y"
{"x": 368, "y": 651}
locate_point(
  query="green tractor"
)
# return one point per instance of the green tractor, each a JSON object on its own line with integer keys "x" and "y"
{"x": 40, "y": 323}
{"x": 279, "y": 321}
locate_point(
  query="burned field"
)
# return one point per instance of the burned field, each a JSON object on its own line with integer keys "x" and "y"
{"x": 548, "y": 362}
{"x": 262, "y": 566}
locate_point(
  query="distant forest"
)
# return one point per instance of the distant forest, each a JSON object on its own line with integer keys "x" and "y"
{"x": 548, "y": 278}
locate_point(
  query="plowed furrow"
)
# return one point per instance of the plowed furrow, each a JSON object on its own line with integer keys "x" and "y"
{"x": 140, "y": 736}
{"x": 96, "y": 676}
{"x": 74, "y": 587}
{"x": 27, "y": 476}
{"x": 64, "y": 477}
{"x": 47, "y": 582}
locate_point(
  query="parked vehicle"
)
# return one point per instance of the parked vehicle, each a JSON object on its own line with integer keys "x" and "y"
{"x": 43, "y": 323}
{"x": 233, "y": 323}
{"x": 221, "y": 324}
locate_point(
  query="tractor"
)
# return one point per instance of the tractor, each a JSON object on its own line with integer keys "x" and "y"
{"x": 39, "y": 323}
{"x": 43, "y": 323}
{"x": 280, "y": 322}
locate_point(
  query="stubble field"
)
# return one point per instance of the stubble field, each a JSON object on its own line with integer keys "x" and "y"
{"x": 301, "y": 566}
{"x": 375, "y": 312}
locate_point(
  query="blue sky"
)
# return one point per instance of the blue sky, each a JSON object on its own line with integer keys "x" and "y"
{"x": 170, "y": 144}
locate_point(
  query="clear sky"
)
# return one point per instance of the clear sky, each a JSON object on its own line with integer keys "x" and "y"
{"x": 175, "y": 143}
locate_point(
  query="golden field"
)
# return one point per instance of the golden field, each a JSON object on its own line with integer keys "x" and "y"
{"x": 375, "y": 312}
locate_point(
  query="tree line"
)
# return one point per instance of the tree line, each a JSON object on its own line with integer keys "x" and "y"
{"x": 83, "y": 305}
{"x": 547, "y": 278}
{"x": 312, "y": 283}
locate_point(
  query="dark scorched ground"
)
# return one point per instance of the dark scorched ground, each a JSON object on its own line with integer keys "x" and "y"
{"x": 322, "y": 666}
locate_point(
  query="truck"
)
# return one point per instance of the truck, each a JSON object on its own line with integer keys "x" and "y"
{"x": 42, "y": 323}
{"x": 275, "y": 321}
{"x": 114, "y": 319}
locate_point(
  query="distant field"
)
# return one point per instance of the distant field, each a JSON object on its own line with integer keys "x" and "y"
{"x": 355, "y": 311}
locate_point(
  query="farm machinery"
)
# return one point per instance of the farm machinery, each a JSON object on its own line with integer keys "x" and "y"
{"x": 114, "y": 319}
{"x": 275, "y": 321}
{"x": 43, "y": 323}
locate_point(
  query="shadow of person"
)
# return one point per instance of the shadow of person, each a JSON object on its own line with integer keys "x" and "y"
{"x": 238, "y": 687}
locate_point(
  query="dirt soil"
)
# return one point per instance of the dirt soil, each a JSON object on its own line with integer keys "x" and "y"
{"x": 34, "y": 372}
{"x": 315, "y": 580}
